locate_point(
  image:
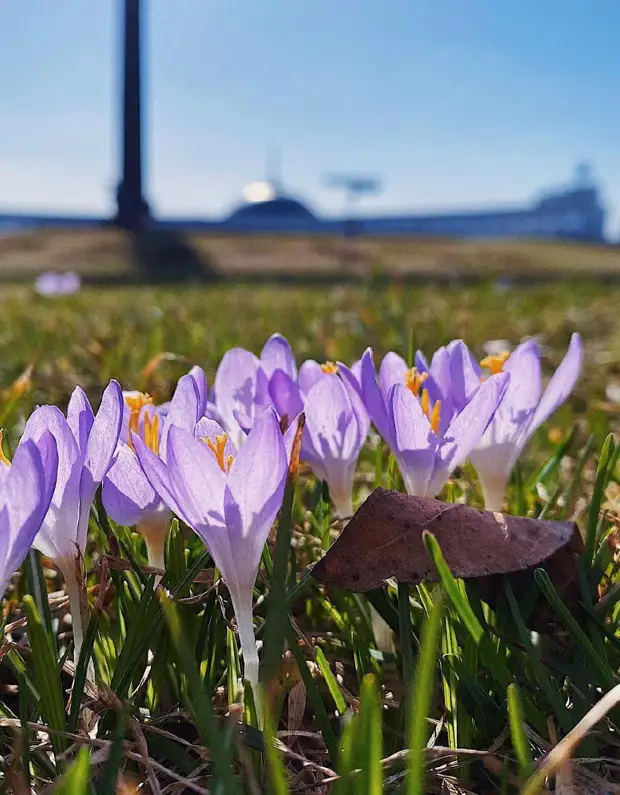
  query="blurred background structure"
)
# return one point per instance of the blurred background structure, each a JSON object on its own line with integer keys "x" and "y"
{"x": 273, "y": 206}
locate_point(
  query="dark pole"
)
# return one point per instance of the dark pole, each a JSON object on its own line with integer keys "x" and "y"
{"x": 132, "y": 208}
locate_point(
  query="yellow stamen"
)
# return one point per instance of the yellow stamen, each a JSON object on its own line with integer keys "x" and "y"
{"x": 138, "y": 401}
{"x": 495, "y": 363}
{"x": 151, "y": 432}
{"x": 219, "y": 448}
{"x": 3, "y": 457}
{"x": 414, "y": 380}
{"x": 330, "y": 368}
{"x": 434, "y": 413}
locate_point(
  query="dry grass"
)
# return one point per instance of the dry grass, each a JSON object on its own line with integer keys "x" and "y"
{"x": 111, "y": 254}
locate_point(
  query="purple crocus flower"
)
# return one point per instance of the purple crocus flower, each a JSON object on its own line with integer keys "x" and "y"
{"x": 243, "y": 384}
{"x": 26, "y": 489}
{"x": 127, "y": 494}
{"x": 335, "y": 430}
{"x": 86, "y": 443}
{"x": 426, "y": 425}
{"x": 522, "y": 410}
{"x": 230, "y": 498}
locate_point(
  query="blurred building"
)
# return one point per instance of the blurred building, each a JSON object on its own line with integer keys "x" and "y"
{"x": 575, "y": 212}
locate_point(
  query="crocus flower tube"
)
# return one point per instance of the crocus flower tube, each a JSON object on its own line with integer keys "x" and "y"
{"x": 523, "y": 409}
{"x": 86, "y": 443}
{"x": 230, "y": 498}
{"x": 26, "y": 488}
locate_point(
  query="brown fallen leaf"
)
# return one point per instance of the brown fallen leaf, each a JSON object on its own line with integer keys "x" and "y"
{"x": 384, "y": 539}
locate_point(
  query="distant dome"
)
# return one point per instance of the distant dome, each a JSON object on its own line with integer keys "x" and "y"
{"x": 264, "y": 201}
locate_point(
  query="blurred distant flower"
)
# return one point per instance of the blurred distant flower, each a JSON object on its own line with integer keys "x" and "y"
{"x": 522, "y": 410}
{"x": 128, "y": 497}
{"x": 612, "y": 392}
{"x": 431, "y": 417}
{"x": 52, "y": 283}
{"x": 230, "y": 498}
{"x": 86, "y": 443}
{"x": 26, "y": 488}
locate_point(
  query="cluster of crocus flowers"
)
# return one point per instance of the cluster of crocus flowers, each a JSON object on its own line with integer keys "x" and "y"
{"x": 219, "y": 460}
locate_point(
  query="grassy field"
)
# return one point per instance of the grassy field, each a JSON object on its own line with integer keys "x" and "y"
{"x": 339, "y": 704}
{"x": 109, "y": 255}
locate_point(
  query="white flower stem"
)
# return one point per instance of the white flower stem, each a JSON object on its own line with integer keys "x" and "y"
{"x": 78, "y": 607}
{"x": 493, "y": 490}
{"x": 242, "y": 604}
{"x": 155, "y": 531}
{"x": 343, "y": 503}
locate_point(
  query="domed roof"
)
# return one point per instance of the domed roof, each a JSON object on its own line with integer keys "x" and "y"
{"x": 264, "y": 201}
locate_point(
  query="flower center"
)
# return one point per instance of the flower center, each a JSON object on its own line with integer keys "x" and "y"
{"x": 138, "y": 401}
{"x": 219, "y": 449}
{"x": 495, "y": 363}
{"x": 150, "y": 425}
{"x": 414, "y": 380}
{"x": 433, "y": 412}
{"x": 330, "y": 368}
{"x": 3, "y": 457}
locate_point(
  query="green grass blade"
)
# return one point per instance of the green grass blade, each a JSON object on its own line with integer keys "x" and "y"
{"x": 454, "y": 593}
{"x": 200, "y": 701}
{"x": 607, "y": 455}
{"x": 517, "y": 731}
{"x": 369, "y": 742}
{"x": 47, "y": 674}
{"x": 606, "y": 676}
{"x": 82, "y": 669}
{"x": 76, "y": 780}
{"x": 275, "y": 630}
{"x": 422, "y": 697}
{"x": 275, "y": 766}
{"x": 330, "y": 680}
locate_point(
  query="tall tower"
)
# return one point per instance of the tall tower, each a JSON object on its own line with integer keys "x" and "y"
{"x": 132, "y": 208}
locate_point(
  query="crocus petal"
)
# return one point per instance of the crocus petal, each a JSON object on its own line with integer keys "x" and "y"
{"x": 332, "y": 437}
{"x": 440, "y": 370}
{"x": 373, "y": 398}
{"x": 466, "y": 429}
{"x": 102, "y": 442}
{"x": 309, "y": 373}
{"x": 277, "y": 354}
{"x": 256, "y": 485}
{"x": 104, "y": 433}
{"x": 197, "y": 481}
{"x": 392, "y": 371}
{"x": 285, "y": 394}
{"x": 27, "y": 497}
{"x": 353, "y": 390}
{"x": 58, "y": 536}
{"x": 185, "y": 409}
{"x": 127, "y": 495}
{"x": 80, "y": 417}
{"x": 464, "y": 374}
{"x": 561, "y": 384}
{"x": 157, "y": 474}
{"x": 236, "y": 389}
{"x": 414, "y": 442}
{"x": 200, "y": 379}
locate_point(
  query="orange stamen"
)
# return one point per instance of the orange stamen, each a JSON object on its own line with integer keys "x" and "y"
{"x": 219, "y": 448}
{"x": 495, "y": 363}
{"x": 414, "y": 380}
{"x": 330, "y": 368}
{"x": 151, "y": 432}
{"x": 433, "y": 413}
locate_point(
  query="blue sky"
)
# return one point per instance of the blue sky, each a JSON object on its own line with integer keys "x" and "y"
{"x": 453, "y": 103}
